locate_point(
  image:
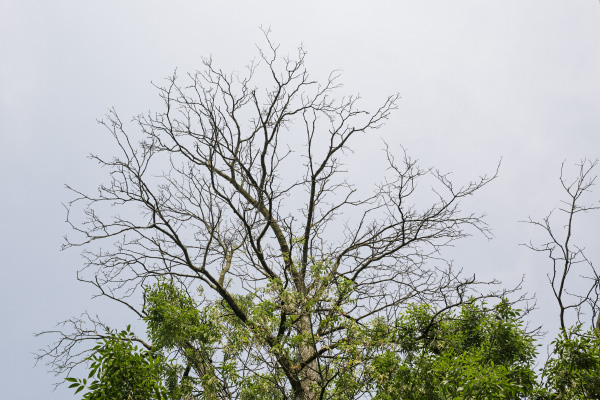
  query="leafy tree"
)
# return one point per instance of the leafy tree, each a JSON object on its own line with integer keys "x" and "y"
{"x": 238, "y": 190}
{"x": 230, "y": 227}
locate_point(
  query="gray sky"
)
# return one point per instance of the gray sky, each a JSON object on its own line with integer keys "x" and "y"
{"x": 479, "y": 80}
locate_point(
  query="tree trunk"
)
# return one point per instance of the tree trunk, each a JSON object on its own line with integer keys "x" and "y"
{"x": 309, "y": 375}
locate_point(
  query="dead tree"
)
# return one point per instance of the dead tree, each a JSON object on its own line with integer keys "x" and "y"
{"x": 242, "y": 190}
{"x": 574, "y": 280}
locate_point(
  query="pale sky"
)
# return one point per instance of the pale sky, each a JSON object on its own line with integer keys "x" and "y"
{"x": 479, "y": 81}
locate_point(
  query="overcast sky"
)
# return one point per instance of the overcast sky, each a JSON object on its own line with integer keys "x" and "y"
{"x": 479, "y": 81}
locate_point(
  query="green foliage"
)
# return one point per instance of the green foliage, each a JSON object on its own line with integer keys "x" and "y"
{"x": 119, "y": 370}
{"x": 173, "y": 318}
{"x": 210, "y": 338}
{"x": 477, "y": 353}
{"x": 574, "y": 370}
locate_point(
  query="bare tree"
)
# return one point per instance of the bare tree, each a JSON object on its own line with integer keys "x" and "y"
{"x": 242, "y": 191}
{"x": 574, "y": 280}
